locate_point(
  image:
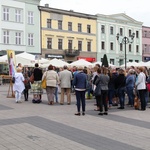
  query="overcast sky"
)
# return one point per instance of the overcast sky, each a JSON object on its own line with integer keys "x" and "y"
{"x": 136, "y": 9}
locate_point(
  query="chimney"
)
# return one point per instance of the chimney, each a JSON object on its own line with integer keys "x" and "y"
{"x": 46, "y": 5}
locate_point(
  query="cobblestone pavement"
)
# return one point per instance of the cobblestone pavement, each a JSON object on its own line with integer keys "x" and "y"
{"x": 27, "y": 126}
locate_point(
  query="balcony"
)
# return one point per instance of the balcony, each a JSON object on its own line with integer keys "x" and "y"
{"x": 72, "y": 52}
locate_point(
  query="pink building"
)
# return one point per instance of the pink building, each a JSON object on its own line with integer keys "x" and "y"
{"x": 145, "y": 43}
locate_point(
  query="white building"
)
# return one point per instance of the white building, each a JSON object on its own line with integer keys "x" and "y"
{"x": 107, "y": 28}
{"x": 20, "y": 26}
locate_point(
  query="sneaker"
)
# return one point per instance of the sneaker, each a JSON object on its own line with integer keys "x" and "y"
{"x": 105, "y": 113}
{"x": 100, "y": 113}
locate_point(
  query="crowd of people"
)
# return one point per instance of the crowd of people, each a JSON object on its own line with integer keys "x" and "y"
{"x": 108, "y": 86}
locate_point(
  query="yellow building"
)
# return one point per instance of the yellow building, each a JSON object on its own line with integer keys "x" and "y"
{"x": 67, "y": 35}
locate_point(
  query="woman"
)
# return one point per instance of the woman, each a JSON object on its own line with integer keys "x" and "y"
{"x": 18, "y": 86}
{"x": 103, "y": 81}
{"x": 120, "y": 83}
{"x": 111, "y": 88}
{"x": 52, "y": 80}
{"x": 36, "y": 88}
{"x": 130, "y": 84}
{"x": 141, "y": 86}
{"x": 80, "y": 83}
{"x": 27, "y": 86}
{"x": 11, "y": 65}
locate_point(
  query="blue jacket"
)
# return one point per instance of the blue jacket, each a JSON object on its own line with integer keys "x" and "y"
{"x": 130, "y": 81}
{"x": 80, "y": 81}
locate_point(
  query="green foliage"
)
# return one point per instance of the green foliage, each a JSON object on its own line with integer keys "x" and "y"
{"x": 105, "y": 61}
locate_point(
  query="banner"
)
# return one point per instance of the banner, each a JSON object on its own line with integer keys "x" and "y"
{"x": 11, "y": 61}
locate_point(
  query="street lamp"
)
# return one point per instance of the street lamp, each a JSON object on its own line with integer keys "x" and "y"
{"x": 125, "y": 40}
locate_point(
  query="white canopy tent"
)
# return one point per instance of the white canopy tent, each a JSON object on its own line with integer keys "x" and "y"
{"x": 55, "y": 62}
{"x": 25, "y": 59}
{"x": 32, "y": 58}
{"x": 129, "y": 64}
{"x": 81, "y": 62}
{"x": 100, "y": 63}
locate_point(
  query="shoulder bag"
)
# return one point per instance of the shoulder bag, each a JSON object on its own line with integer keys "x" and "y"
{"x": 43, "y": 84}
{"x": 32, "y": 78}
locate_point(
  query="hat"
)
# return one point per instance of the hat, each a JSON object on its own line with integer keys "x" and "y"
{"x": 80, "y": 68}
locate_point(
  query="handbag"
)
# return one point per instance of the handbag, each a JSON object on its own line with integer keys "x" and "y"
{"x": 13, "y": 79}
{"x": 97, "y": 91}
{"x": 32, "y": 78}
{"x": 43, "y": 84}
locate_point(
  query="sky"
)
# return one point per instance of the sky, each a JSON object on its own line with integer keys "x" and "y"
{"x": 136, "y": 9}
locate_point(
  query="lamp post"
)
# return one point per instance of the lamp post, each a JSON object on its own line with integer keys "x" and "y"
{"x": 125, "y": 40}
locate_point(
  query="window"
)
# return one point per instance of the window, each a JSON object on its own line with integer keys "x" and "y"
{"x": 70, "y": 26}
{"x": 145, "y": 33}
{"x": 80, "y": 45}
{"x": 145, "y": 47}
{"x": 18, "y": 38}
{"x": 103, "y": 45}
{"x": 60, "y": 44}
{"x": 111, "y": 30}
{"x": 121, "y": 32}
{"x": 88, "y": 46}
{"x": 111, "y": 46}
{"x": 137, "y": 61}
{"x": 130, "y": 60}
{"x": 70, "y": 44}
{"x": 59, "y": 24}
{"x": 130, "y": 47}
{"x": 30, "y": 39}
{"x": 137, "y": 34}
{"x": 79, "y": 27}
{"x": 112, "y": 61}
{"x": 6, "y": 14}
{"x": 49, "y": 43}
{"x": 18, "y": 15}
{"x": 88, "y": 29}
{"x": 137, "y": 48}
{"x": 6, "y": 37}
{"x": 121, "y": 47}
{"x": 48, "y": 23}
{"x": 30, "y": 17}
{"x": 102, "y": 29}
{"x": 130, "y": 33}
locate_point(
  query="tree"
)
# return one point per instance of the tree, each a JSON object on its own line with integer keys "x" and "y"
{"x": 105, "y": 61}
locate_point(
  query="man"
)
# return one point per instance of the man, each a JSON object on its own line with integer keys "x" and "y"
{"x": 65, "y": 77}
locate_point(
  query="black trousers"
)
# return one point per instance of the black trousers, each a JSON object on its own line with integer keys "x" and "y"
{"x": 142, "y": 99}
{"x": 26, "y": 94}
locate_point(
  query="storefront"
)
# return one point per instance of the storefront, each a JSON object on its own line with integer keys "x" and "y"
{"x": 52, "y": 56}
{"x": 89, "y": 59}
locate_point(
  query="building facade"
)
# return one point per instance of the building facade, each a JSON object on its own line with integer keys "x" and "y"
{"x": 20, "y": 26}
{"x": 68, "y": 35}
{"x": 108, "y": 26}
{"x": 146, "y": 43}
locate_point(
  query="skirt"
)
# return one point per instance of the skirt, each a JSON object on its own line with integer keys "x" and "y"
{"x": 36, "y": 88}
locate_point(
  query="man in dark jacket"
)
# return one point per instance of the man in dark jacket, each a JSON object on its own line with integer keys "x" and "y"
{"x": 80, "y": 83}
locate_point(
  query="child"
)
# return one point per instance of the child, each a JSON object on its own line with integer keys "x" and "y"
{"x": 27, "y": 86}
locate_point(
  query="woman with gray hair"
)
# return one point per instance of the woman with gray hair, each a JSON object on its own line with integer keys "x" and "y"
{"x": 52, "y": 80}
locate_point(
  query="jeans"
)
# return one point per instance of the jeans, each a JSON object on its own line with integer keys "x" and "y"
{"x": 121, "y": 95}
{"x": 130, "y": 95}
{"x": 56, "y": 94}
{"x": 80, "y": 96}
